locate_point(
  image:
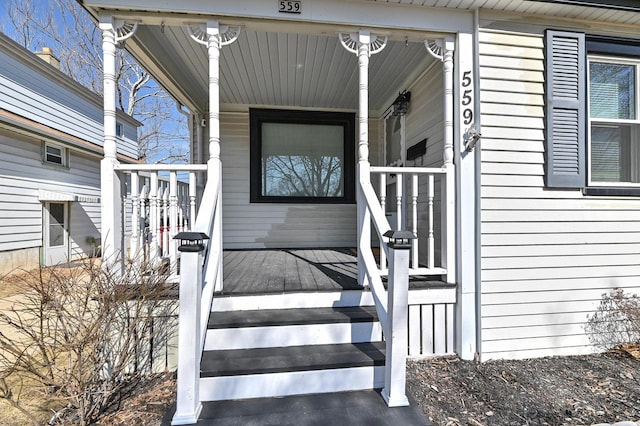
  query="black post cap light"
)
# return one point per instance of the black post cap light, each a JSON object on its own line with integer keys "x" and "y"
{"x": 191, "y": 242}
{"x": 400, "y": 239}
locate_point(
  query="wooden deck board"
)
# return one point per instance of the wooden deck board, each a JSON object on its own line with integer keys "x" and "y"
{"x": 274, "y": 271}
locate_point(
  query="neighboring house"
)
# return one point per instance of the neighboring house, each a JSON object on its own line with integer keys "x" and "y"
{"x": 522, "y": 135}
{"x": 51, "y": 138}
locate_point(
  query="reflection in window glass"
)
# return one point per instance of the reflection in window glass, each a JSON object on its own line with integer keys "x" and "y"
{"x": 612, "y": 91}
{"x": 610, "y": 154}
{"x": 302, "y": 160}
{"x": 54, "y": 155}
{"x": 56, "y": 224}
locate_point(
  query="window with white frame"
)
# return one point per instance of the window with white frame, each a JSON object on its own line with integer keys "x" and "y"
{"x": 614, "y": 125}
{"x": 55, "y": 154}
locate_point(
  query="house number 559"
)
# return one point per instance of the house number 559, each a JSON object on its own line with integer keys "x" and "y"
{"x": 290, "y": 6}
{"x": 467, "y": 98}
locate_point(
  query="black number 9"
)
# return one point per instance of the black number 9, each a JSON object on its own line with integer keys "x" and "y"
{"x": 468, "y": 116}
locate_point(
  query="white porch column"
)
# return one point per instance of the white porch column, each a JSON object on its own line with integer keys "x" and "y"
{"x": 363, "y": 44}
{"x": 467, "y": 263}
{"x": 113, "y": 31}
{"x": 214, "y": 36}
{"x": 459, "y": 202}
{"x": 448, "y": 238}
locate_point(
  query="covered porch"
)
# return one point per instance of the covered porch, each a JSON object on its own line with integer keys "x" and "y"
{"x": 391, "y": 167}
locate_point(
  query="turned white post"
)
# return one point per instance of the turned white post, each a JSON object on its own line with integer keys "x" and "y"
{"x": 449, "y": 190}
{"x": 111, "y": 209}
{"x": 397, "y": 316}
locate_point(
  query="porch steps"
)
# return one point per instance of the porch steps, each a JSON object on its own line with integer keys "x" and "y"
{"x": 277, "y": 352}
{"x": 292, "y": 327}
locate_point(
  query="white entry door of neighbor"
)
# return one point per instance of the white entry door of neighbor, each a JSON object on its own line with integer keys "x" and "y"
{"x": 56, "y": 233}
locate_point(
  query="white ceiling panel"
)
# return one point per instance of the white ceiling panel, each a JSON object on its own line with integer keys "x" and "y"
{"x": 288, "y": 70}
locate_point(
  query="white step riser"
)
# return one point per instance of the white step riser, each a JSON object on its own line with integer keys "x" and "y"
{"x": 292, "y": 335}
{"x": 291, "y": 383}
{"x": 292, "y": 301}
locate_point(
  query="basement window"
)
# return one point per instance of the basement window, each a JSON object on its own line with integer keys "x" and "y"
{"x": 302, "y": 156}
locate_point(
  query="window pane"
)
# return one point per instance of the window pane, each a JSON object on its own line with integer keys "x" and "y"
{"x": 56, "y": 224}
{"x": 54, "y": 155}
{"x": 611, "y": 159}
{"x": 612, "y": 91}
{"x": 302, "y": 160}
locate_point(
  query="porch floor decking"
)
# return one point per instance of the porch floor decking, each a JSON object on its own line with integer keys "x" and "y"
{"x": 272, "y": 271}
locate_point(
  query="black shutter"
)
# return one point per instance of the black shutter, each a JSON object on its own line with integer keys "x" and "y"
{"x": 565, "y": 109}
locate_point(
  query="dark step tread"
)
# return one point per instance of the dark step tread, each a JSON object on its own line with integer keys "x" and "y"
{"x": 292, "y": 358}
{"x": 302, "y": 316}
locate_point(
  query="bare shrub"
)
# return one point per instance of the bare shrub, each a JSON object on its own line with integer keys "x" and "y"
{"x": 83, "y": 336}
{"x": 616, "y": 321}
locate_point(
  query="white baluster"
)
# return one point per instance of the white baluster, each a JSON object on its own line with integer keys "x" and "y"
{"x": 173, "y": 217}
{"x": 430, "y": 237}
{"x": 165, "y": 220}
{"x": 192, "y": 199}
{"x": 414, "y": 219}
{"x": 135, "y": 217}
{"x": 399, "y": 196}
{"x": 144, "y": 238}
{"x": 383, "y": 204}
{"x": 154, "y": 219}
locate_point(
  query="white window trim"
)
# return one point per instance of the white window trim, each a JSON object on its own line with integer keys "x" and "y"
{"x": 635, "y": 132}
{"x": 64, "y": 154}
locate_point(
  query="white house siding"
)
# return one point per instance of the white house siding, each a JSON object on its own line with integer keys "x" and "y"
{"x": 547, "y": 255}
{"x": 21, "y": 212}
{"x": 33, "y": 89}
{"x": 272, "y": 225}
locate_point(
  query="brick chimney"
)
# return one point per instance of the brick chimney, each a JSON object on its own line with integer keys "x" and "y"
{"x": 46, "y": 54}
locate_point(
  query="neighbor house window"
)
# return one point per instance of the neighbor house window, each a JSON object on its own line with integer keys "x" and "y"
{"x": 55, "y": 154}
{"x": 614, "y": 150}
{"x": 302, "y": 156}
{"x": 119, "y": 130}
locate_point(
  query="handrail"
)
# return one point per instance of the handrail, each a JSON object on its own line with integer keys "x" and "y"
{"x": 381, "y": 226}
{"x": 205, "y": 222}
{"x": 405, "y": 170}
{"x": 380, "y": 221}
{"x": 161, "y": 167}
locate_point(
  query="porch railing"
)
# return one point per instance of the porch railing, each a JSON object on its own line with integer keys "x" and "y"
{"x": 413, "y": 207}
{"x": 160, "y": 202}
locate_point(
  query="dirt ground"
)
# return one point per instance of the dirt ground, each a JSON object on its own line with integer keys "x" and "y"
{"x": 577, "y": 390}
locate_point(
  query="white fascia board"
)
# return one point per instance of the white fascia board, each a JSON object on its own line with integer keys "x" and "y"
{"x": 334, "y": 12}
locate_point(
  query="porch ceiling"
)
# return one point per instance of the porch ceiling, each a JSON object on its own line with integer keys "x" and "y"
{"x": 281, "y": 69}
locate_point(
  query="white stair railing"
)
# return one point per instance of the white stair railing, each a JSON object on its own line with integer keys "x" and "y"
{"x": 199, "y": 278}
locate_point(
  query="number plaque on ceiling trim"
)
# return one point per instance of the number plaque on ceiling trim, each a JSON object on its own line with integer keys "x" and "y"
{"x": 290, "y": 6}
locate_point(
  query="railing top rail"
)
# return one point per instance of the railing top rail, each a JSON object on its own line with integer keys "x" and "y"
{"x": 161, "y": 167}
{"x": 404, "y": 170}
